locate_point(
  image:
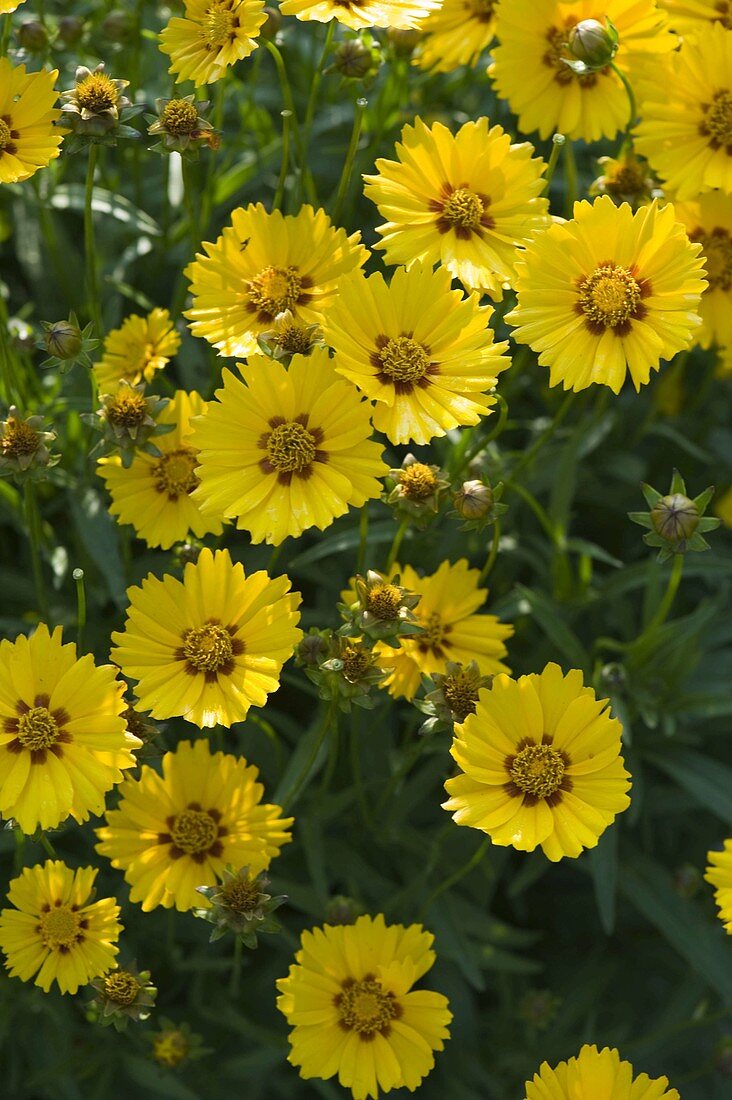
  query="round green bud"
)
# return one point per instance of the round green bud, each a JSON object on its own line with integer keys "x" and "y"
{"x": 273, "y": 23}
{"x": 118, "y": 26}
{"x": 354, "y": 60}
{"x": 675, "y": 518}
{"x": 63, "y": 340}
{"x": 473, "y": 500}
{"x": 32, "y": 36}
{"x": 70, "y": 29}
{"x": 592, "y": 43}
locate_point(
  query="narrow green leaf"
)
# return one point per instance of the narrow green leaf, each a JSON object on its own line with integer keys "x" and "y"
{"x": 707, "y": 780}
{"x": 548, "y": 616}
{"x": 603, "y": 864}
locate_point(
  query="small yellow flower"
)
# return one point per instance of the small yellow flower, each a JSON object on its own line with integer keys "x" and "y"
{"x": 596, "y": 1075}
{"x": 540, "y": 765}
{"x": 175, "y": 832}
{"x": 719, "y": 874}
{"x": 456, "y": 34}
{"x": 28, "y": 138}
{"x": 708, "y": 222}
{"x": 55, "y": 931}
{"x": 349, "y": 999}
{"x": 211, "y": 36}
{"x": 358, "y": 14}
{"x": 136, "y": 350}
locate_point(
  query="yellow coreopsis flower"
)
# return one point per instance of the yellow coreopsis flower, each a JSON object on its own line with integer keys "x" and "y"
{"x": 63, "y": 737}
{"x": 283, "y": 450}
{"x": 357, "y": 14}
{"x": 354, "y": 1014}
{"x": 596, "y": 1075}
{"x": 686, "y": 127}
{"x": 28, "y": 138}
{"x": 262, "y": 265}
{"x": 708, "y": 221}
{"x": 210, "y": 646}
{"x": 608, "y": 293}
{"x": 423, "y": 352}
{"x": 154, "y": 493}
{"x": 179, "y": 830}
{"x": 469, "y": 201}
{"x": 530, "y": 71}
{"x": 7, "y": 6}
{"x": 690, "y": 17}
{"x": 456, "y": 34}
{"x": 211, "y": 36}
{"x": 136, "y": 350}
{"x": 540, "y": 765}
{"x": 719, "y": 871}
{"x": 449, "y": 600}
{"x": 56, "y": 932}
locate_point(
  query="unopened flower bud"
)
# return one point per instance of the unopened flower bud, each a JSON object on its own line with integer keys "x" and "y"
{"x": 342, "y": 910}
{"x": 356, "y": 59}
{"x": 593, "y": 44}
{"x": 675, "y": 517}
{"x": 473, "y": 500}
{"x": 63, "y": 339}
{"x": 118, "y": 26}
{"x": 403, "y": 43}
{"x": 313, "y": 649}
{"x": 32, "y": 36}
{"x": 70, "y": 29}
{"x": 688, "y": 881}
{"x": 274, "y": 21}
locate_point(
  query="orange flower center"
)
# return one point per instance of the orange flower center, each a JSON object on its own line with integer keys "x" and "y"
{"x": 127, "y": 410}
{"x": 60, "y": 928}
{"x": 418, "y": 481}
{"x": 19, "y": 438}
{"x": 538, "y": 770}
{"x": 174, "y": 473}
{"x": 356, "y": 661}
{"x": 366, "y": 1008}
{"x": 274, "y": 290}
{"x": 433, "y": 634}
{"x": 37, "y": 729}
{"x": 194, "y": 831}
{"x": 241, "y": 895}
{"x": 403, "y": 360}
{"x": 208, "y": 648}
{"x": 179, "y": 117}
{"x": 290, "y": 447}
{"x": 5, "y": 135}
{"x": 610, "y": 296}
{"x": 461, "y": 691}
{"x": 384, "y": 601}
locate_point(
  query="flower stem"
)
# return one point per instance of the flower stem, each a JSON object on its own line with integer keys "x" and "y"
{"x": 45, "y": 843}
{"x": 363, "y": 531}
{"x": 396, "y": 545}
{"x": 5, "y": 36}
{"x": 95, "y": 309}
{"x": 668, "y": 598}
{"x": 33, "y": 520}
{"x": 633, "y": 107}
{"x": 456, "y": 876}
{"x": 78, "y": 576}
{"x": 570, "y": 176}
{"x": 306, "y": 177}
{"x": 235, "y": 969}
{"x": 361, "y": 105}
{"x": 304, "y": 775}
{"x": 493, "y": 554}
{"x": 528, "y": 457}
{"x": 558, "y": 141}
{"x": 285, "y": 165}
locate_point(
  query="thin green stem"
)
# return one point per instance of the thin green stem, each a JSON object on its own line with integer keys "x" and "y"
{"x": 315, "y": 83}
{"x": 45, "y": 843}
{"x": 396, "y": 545}
{"x": 669, "y": 596}
{"x": 632, "y": 105}
{"x": 356, "y": 770}
{"x": 363, "y": 534}
{"x": 528, "y": 456}
{"x": 5, "y": 36}
{"x": 285, "y": 165}
{"x": 304, "y": 775}
{"x": 288, "y": 99}
{"x": 95, "y": 308}
{"x": 342, "y": 192}
{"x": 570, "y": 176}
{"x": 19, "y": 849}
{"x": 78, "y": 576}
{"x": 456, "y": 876}
{"x": 493, "y": 553}
{"x": 235, "y": 979}
{"x": 476, "y": 445}
{"x": 33, "y": 519}
{"x": 534, "y": 505}
{"x": 558, "y": 141}
{"x": 192, "y": 210}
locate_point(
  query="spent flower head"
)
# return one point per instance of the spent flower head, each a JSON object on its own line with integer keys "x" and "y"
{"x": 122, "y": 995}
{"x": 290, "y": 336}
{"x": 175, "y": 1044}
{"x": 127, "y": 420}
{"x": 626, "y": 178}
{"x": 382, "y": 611}
{"x": 24, "y": 453}
{"x": 239, "y": 904}
{"x": 415, "y": 490}
{"x": 141, "y": 725}
{"x": 453, "y": 696}
{"x": 676, "y": 523}
{"x": 96, "y": 109}
{"x": 349, "y": 674}
{"x": 66, "y": 343}
{"x": 181, "y": 127}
